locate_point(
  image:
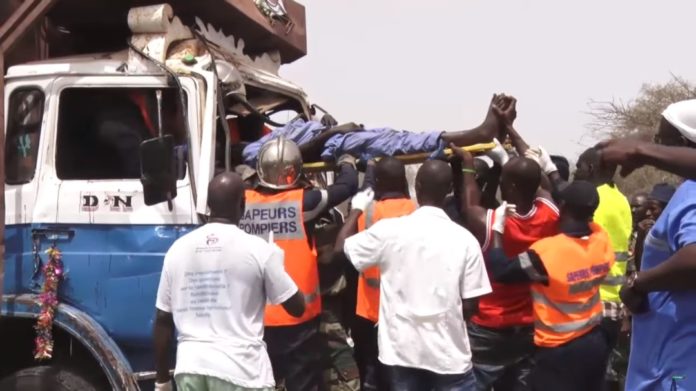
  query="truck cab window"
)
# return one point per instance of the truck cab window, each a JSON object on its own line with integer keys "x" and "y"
{"x": 24, "y": 117}
{"x": 247, "y": 127}
{"x": 100, "y": 130}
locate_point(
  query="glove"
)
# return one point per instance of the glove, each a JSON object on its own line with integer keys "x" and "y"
{"x": 163, "y": 386}
{"x": 346, "y": 159}
{"x": 545, "y": 161}
{"x": 362, "y": 199}
{"x": 501, "y": 214}
{"x": 533, "y": 154}
{"x": 498, "y": 153}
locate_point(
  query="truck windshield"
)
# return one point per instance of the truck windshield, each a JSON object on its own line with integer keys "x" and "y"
{"x": 100, "y": 130}
{"x": 246, "y": 127}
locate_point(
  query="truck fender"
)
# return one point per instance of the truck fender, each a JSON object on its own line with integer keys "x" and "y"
{"x": 85, "y": 330}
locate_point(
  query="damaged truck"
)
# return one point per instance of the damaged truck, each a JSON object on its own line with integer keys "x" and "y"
{"x": 111, "y": 138}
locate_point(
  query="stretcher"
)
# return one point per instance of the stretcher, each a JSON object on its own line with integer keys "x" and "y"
{"x": 413, "y": 158}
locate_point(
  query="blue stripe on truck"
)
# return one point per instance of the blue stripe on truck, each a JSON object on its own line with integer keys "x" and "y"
{"x": 112, "y": 274}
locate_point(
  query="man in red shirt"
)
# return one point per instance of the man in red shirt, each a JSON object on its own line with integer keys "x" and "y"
{"x": 501, "y": 333}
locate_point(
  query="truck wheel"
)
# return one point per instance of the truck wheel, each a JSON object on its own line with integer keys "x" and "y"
{"x": 45, "y": 378}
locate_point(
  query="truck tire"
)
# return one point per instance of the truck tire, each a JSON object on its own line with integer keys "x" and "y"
{"x": 46, "y": 378}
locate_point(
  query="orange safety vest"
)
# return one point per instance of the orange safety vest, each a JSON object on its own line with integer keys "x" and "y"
{"x": 282, "y": 213}
{"x": 368, "y": 282}
{"x": 570, "y": 305}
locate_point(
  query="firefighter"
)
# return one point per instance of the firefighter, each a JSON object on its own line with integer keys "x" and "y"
{"x": 281, "y": 208}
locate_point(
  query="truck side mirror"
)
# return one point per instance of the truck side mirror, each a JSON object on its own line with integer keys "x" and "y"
{"x": 158, "y": 170}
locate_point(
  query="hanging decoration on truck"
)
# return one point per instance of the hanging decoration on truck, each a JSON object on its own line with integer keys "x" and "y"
{"x": 275, "y": 10}
{"x": 48, "y": 300}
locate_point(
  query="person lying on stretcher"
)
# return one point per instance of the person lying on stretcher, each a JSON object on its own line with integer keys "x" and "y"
{"x": 319, "y": 142}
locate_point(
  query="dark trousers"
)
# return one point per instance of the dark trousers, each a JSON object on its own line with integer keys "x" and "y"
{"x": 612, "y": 330}
{"x": 412, "y": 379}
{"x": 578, "y": 365}
{"x": 295, "y": 353}
{"x": 502, "y": 357}
{"x": 373, "y": 376}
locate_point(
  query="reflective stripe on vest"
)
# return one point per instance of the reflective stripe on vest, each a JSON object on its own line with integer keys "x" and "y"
{"x": 370, "y": 215}
{"x": 584, "y": 286}
{"x": 367, "y": 301}
{"x": 372, "y": 282}
{"x": 282, "y": 213}
{"x": 570, "y": 327}
{"x": 312, "y": 297}
{"x": 615, "y": 279}
{"x": 567, "y": 308}
{"x": 621, "y": 256}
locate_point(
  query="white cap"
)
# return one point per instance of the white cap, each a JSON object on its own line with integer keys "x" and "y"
{"x": 682, "y": 115}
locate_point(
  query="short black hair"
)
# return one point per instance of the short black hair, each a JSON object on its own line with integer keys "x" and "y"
{"x": 580, "y": 199}
{"x": 525, "y": 174}
{"x": 562, "y": 165}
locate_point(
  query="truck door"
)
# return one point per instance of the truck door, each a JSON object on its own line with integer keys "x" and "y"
{"x": 114, "y": 257}
{"x": 27, "y": 202}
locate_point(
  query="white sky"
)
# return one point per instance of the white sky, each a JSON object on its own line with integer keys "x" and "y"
{"x": 434, "y": 65}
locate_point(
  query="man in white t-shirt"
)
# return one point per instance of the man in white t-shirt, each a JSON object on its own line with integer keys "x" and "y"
{"x": 429, "y": 265}
{"x": 214, "y": 287}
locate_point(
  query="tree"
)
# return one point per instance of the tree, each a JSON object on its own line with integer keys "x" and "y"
{"x": 639, "y": 118}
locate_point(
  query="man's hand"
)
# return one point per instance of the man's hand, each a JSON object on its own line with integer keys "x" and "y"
{"x": 498, "y": 153}
{"x": 163, "y": 386}
{"x": 542, "y": 157}
{"x": 635, "y": 301}
{"x": 623, "y": 152}
{"x": 501, "y": 214}
{"x": 362, "y": 199}
{"x": 463, "y": 154}
{"x": 505, "y": 108}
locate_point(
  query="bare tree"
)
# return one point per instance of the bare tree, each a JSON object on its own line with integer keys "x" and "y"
{"x": 639, "y": 118}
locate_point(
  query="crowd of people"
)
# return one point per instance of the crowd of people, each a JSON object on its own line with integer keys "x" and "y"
{"x": 498, "y": 274}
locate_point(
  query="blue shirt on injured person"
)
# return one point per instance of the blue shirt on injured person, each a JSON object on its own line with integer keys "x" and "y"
{"x": 663, "y": 345}
{"x": 365, "y": 144}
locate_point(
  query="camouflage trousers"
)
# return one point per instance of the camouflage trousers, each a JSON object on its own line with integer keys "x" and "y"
{"x": 341, "y": 371}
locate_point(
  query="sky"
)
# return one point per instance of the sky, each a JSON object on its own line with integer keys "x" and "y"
{"x": 435, "y": 64}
